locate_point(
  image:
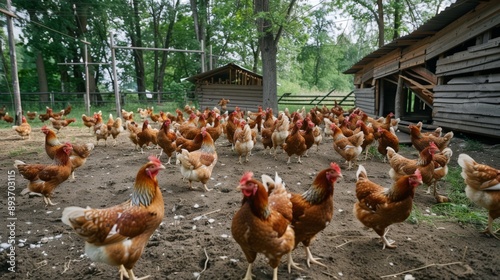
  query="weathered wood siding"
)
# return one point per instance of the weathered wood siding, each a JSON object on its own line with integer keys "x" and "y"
{"x": 365, "y": 99}
{"x": 478, "y": 58}
{"x": 469, "y": 104}
{"x": 245, "y": 97}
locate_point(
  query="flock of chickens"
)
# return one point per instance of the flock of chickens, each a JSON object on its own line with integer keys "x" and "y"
{"x": 271, "y": 220}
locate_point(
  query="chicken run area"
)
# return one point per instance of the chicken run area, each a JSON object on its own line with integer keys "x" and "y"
{"x": 194, "y": 239}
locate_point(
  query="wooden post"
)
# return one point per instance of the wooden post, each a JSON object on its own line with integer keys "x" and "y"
{"x": 13, "y": 64}
{"x": 115, "y": 77}
{"x": 398, "y": 102}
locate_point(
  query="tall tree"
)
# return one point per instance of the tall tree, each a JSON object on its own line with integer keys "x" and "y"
{"x": 269, "y": 33}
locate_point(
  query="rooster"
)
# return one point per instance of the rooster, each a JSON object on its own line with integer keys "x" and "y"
{"x": 313, "y": 211}
{"x": 482, "y": 187}
{"x": 378, "y": 207}
{"x": 198, "y": 165}
{"x": 118, "y": 235}
{"x": 263, "y": 223}
{"x": 44, "y": 178}
{"x": 24, "y": 129}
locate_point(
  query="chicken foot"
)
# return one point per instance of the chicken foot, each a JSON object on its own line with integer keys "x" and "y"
{"x": 248, "y": 274}
{"x": 489, "y": 229}
{"x": 130, "y": 273}
{"x": 291, "y": 263}
{"x": 311, "y": 259}
{"x": 387, "y": 241}
{"x": 48, "y": 201}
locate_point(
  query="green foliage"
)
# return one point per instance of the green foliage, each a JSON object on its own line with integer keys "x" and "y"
{"x": 473, "y": 145}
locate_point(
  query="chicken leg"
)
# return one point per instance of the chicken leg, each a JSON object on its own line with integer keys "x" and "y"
{"x": 248, "y": 275}
{"x": 489, "y": 228}
{"x": 387, "y": 241}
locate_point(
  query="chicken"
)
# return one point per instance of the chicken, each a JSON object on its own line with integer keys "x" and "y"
{"x": 482, "y": 187}
{"x": 215, "y": 130}
{"x": 440, "y": 161}
{"x": 67, "y": 110}
{"x": 266, "y": 137}
{"x": 421, "y": 141}
{"x": 318, "y": 136}
{"x": 401, "y": 166}
{"x": 280, "y": 133}
{"x": 369, "y": 136}
{"x": 44, "y": 117}
{"x": 198, "y": 165}
{"x": 223, "y": 104}
{"x": 133, "y": 130}
{"x": 78, "y": 156}
{"x": 88, "y": 121}
{"x": 436, "y": 132}
{"x": 328, "y": 132}
{"x": 100, "y": 129}
{"x": 24, "y": 129}
{"x": 347, "y": 147}
{"x": 307, "y": 133}
{"x": 3, "y": 111}
{"x": 386, "y": 139}
{"x": 231, "y": 127}
{"x": 147, "y": 136}
{"x": 262, "y": 224}
{"x": 8, "y": 118}
{"x": 44, "y": 178}
{"x": 31, "y": 115}
{"x": 59, "y": 124}
{"x": 166, "y": 140}
{"x": 118, "y": 235}
{"x": 115, "y": 127}
{"x": 313, "y": 211}
{"x": 378, "y": 207}
{"x": 295, "y": 144}
{"x": 243, "y": 142}
{"x": 188, "y": 144}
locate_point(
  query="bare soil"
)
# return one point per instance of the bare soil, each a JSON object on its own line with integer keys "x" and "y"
{"x": 195, "y": 236}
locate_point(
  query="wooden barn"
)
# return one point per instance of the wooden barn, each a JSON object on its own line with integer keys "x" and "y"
{"x": 445, "y": 73}
{"x": 242, "y": 87}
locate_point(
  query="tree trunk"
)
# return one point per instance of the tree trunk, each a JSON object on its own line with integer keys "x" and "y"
{"x": 136, "y": 39}
{"x": 43, "y": 87}
{"x": 168, "y": 38}
{"x": 380, "y": 22}
{"x": 398, "y": 7}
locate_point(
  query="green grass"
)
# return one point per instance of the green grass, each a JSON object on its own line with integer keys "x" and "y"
{"x": 473, "y": 145}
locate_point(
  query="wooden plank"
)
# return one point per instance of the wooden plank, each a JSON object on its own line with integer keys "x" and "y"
{"x": 466, "y": 55}
{"x": 385, "y": 69}
{"x": 471, "y": 119}
{"x": 467, "y": 27}
{"x": 468, "y": 64}
{"x": 473, "y": 108}
{"x": 466, "y": 127}
{"x": 424, "y": 74}
{"x": 487, "y": 99}
{"x": 490, "y": 87}
{"x": 488, "y": 66}
{"x": 480, "y": 79}
{"x": 492, "y": 43}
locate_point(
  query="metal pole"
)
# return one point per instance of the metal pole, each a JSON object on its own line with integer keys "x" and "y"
{"x": 210, "y": 67}
{"x": 13, "y": 63}
{"x": 87, "y": 90}
{"x": 115, "y": 78}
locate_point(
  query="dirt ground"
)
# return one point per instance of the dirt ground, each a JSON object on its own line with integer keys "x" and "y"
{"x": 194, "y": 241}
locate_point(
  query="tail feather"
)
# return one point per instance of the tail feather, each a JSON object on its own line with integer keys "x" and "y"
{"x": 361, "y": 173}
{"x": 17, "y": 163}
{"x": 70, "y": 213}
{"x": 390, "y": 152}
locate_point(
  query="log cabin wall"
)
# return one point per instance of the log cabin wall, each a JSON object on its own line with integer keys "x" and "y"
{"x": 247, "y": 97}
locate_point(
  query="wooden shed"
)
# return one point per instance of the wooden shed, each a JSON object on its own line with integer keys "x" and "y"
{"x": 445, "y": 73}
{"x": 241, "y": 86}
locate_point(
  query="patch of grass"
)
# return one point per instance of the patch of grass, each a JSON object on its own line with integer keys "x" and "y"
{"x": 473, "y": 145}
{"x": 18, "y": 152}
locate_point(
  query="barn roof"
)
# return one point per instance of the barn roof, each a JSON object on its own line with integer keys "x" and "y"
{"x": 431, "y": 27}
{"x": 222, "y": 73}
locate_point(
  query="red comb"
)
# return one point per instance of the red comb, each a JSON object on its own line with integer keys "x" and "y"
{"x": 154, "y": 160}
{"x": 335, "y": 166}
{"x": 418, "y": 174}
{"x": 246, "y": 177}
